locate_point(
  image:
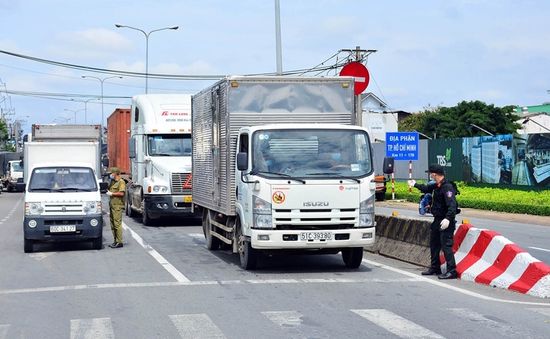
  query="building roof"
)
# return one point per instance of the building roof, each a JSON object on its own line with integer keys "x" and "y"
{"x": 544, "y": 108}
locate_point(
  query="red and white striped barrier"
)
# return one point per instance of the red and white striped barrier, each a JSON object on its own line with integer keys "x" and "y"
{"x": 487, "y": 257}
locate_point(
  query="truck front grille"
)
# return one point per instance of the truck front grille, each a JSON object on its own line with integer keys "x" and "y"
{"x": 181, "y": 183}
{"x": 311, "y": 219}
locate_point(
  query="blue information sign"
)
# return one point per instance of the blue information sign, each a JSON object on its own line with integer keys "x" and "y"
{"x": 402, "y": 145}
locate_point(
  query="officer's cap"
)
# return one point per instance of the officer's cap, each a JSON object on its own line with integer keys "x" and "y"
{"x": 114, "y": 170}
{"x": 437, "y": 169}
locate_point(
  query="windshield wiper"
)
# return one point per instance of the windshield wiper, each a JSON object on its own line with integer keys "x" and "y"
{"x": 255, "y": 171}
{"x": 161, "y": 154}
{"x": 41, "y": 189}
{"x": 75, "y": 189}
{"x": 332, "y": 174}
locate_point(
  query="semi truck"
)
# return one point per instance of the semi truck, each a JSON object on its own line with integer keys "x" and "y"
{"x": 62, "y": 195}
{"x": 160, "y": 157}
{"x": 280, "y": 165}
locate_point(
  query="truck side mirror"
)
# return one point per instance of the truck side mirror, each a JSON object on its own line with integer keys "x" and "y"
{"x": 388, "y": 165}
{"x": 105, "y": 162}
{"x": 242, "y": 161}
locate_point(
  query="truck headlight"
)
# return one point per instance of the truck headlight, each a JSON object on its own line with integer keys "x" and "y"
{"x": 160, "y": 189}
{"x": 33, "y": 208}
{"x": 366, "y": 212}
{"x": 92, "y": 207}
{"x": 261, "y": 213}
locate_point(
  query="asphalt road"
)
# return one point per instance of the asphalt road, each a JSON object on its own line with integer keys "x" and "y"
{"x": 164, "y": 283}
{"x": 530, "y": 232}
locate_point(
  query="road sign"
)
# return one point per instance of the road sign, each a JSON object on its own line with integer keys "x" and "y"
{"x": 402, "y": 145}
{"x": 360, "y": 73}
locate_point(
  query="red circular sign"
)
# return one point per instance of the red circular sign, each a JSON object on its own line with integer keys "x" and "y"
{"x": 360, "y": 73}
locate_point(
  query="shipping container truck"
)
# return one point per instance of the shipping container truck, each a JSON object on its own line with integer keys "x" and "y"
{"x": 160, "y": 157}
{"x": 280, "y": 165}
{"x": 62, "y": 196}
{"x": 118, "y": 136}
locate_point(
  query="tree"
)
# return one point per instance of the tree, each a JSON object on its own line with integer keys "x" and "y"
{"x": 456, "y": 122}
{"x": 3, "y": 133}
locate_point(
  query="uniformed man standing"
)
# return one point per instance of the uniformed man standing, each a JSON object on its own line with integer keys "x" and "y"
{"x": 444, "y": 209}
{"x": 116, "y": 191}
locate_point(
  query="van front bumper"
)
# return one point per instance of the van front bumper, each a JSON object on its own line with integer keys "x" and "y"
{"x": 46, "y": 227}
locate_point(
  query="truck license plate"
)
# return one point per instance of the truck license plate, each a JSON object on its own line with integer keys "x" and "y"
{"x": 62, "y": 228}
{"x": 306, "y": 236}
{"x": 187, "y": 198}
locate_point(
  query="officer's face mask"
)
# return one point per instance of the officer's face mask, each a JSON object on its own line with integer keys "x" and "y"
{"x": 112, "y": 176}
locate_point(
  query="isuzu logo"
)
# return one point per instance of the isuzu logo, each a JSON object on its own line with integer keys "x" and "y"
{"x": 315, "y": 203}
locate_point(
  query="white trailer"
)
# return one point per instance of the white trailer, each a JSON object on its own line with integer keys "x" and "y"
{"x": 160, "y": 157}
{"x": 278, "y": 164}
{"x": 62, "y": 196}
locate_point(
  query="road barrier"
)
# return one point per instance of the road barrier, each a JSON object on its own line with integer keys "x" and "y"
{"x": 482, "y": 256}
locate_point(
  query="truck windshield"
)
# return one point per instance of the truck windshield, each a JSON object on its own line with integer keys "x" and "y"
{"x": 311, "y": 153}
{"x": 60, "y": 179}
{"x": 169, "y": 145}
{"x": 16, "y": 166}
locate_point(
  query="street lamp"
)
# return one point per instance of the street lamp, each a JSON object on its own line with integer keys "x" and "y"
{"x": 146, "y": 47}
{"x": 482, "y": 129}
{"x": 101, "y": 81}
{"x": 86, "y": 109}
{"x": 74, "y": 111}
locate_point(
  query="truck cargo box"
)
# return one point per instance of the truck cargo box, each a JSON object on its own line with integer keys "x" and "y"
{"x": 55, "y": 132}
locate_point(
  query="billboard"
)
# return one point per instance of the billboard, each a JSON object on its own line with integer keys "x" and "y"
{"x": 447, "y": 153}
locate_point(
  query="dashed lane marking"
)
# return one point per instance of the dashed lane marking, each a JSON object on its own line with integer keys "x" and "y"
{"x": 285, "y": 319}
{"x": 196, "y": 326}
{"x": 540, "y": 249}
{"x": 92, "y": 328}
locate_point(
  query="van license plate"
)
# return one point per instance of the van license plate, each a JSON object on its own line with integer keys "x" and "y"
{"x": 62, "y": 228}
{"x": 307, "y": 236}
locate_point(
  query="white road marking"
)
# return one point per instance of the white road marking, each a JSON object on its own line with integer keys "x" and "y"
{"x": 4, "y": 331}
{"x": 41, "y": 255}
{"x": 196, "y": 326}
{"x": 285, "y": 319}
{"x": 540, "y": 249}
{"x": 543, "y": 311}
{"x": 196, "y": 235}
{"x": 395, "y": 324}
{"x": 501, "y": 328}
{"x": 450, "y": 287}
{"x": 92, "y": 328}
{"x": 158, "y": 257}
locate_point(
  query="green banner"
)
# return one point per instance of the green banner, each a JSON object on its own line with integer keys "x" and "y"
{"x": 447, "y": 153}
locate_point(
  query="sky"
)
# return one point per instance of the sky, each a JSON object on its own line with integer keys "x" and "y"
{"x": 429, "y": 53}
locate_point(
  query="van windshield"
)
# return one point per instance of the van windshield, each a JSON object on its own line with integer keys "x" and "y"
{"x": 62, "y": 179}
{"x": 169, "y": 145}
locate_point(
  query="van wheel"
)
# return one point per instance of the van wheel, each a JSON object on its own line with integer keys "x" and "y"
{"x": 352, "y": 256}
{"x": 247, "y": 255}
{"x": 28, "y": 245}
{"x": 97, "y": 243}
{"x": 145, "y": 218}
{"x": 212, "y": 243}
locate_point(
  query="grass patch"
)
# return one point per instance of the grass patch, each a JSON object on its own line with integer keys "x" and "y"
{"x": 535, "y": 202}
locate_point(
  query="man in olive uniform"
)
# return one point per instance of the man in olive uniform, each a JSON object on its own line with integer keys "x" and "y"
{"x": 444, "y": 210}
{"x": 117, "y": 189}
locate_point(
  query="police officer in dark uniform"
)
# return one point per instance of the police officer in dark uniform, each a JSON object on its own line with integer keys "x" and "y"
{"x": 116, "y": 192}
{"x": 444, "y": 209}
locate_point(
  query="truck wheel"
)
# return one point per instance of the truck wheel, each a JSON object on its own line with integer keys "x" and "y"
{"x": 97, "y": 243}
{"x": 352, "y": 256}
{"x": 28, "y": 245}
{"x": 145, "y": 219}
{"x": 212, "y": 243}
{"x": 129, "y": 211}
{"x": 247, "y": 255}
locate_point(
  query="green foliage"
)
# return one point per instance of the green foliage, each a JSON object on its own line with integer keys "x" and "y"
{"x": 455, "y": 122}
{"x": 3, "y": 131}
{"x": 488, "y": 198}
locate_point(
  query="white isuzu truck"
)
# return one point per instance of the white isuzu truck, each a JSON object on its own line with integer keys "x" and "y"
{"x": 62, "y": 197}
{"x": 279, "y": 165}
{"x": 160, "y": 157}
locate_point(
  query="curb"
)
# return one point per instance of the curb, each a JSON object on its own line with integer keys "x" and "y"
{"x": 486, "y": 257}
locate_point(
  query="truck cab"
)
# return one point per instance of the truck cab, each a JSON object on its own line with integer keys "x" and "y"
{"x": 160, "y": 157}
{"x": 14, "y": 176}
{"x": 62, "y": 203}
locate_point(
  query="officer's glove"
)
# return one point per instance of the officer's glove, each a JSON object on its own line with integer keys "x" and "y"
{"x": 411, "y": 182}
{"x": 109, "y": 193}
{"x": 444, "y": 224}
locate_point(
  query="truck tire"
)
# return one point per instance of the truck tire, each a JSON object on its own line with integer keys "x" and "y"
{"x": 212, "y": 243}
{"x": 247, "y": 255}
{"x": 28, "y": 245}
{"x": 97, "y": 243}
{"x": 352, "y": 256}
{"x": 145, "y": 219}
{"x": 129, "y": 211}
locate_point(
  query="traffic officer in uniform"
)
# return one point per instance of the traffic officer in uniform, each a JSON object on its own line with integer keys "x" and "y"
{"x": 116, "y": 191}
{"x": 444, "y": 209}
